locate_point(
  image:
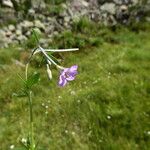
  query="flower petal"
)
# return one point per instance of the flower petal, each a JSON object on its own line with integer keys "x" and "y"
{"x": 64, "y": 71}
{"x": 62, "y": 81}
{"x": 73, "y": 68}
{"x": 70, "y": 78}
{"x": 73, "y": 74}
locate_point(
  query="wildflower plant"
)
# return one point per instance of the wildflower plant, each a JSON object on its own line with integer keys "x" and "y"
{"x": 66, "y": 75}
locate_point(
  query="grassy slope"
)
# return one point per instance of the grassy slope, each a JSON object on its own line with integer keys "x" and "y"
{"x": 107, "y": 107}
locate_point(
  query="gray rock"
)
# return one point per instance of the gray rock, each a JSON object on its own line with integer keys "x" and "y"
{"x": 2, "y": 34}
{"x": 27, "y": 24}
{"x": 109, "y": 7}
{"x": 37, "y": 30}
{"x": 67, "y": 18}
{"x": 21, "y": 38}
{"x": 8, "y": 3}
{"x": 118, "y": 1}
{"x": 39, "y": 24}
{"x": 78, "y": 4}
{"x": 123, "y": 8}
{"x": 31, "y": 11}
{"x": 18, "y": 32}
{"x": 3, "y": 39}
{"x": 147, "y": 19}
{"x": 11, "y": 28}
{"x": 64, "y": 6}
{"x": 44, "y": 42}
{"x": 135, "y": 2}
{"x": 28, "y": 33}
{"x": 8, "y": 33}
{"x": 55, "y": 33}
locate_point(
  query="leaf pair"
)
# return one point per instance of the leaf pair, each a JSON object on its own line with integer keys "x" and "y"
{"x": 32, "y": 80}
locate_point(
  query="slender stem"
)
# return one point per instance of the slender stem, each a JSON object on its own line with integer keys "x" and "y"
{"x": 26, "y": 71}
{"x": 32, "y": 145}
{"x": 45, "y": 54}
{"x": 58, "y": 50}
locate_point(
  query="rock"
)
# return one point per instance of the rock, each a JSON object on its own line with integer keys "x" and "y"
{"x": 109, "y": 7}
{"x": 84, "y": 3}
{"x": 12, "y": 37}
{"x": 31, "y": 11}
{"x": 18, "y": 32}
{"x": 64, "y": 6}
{"x": 119, "y": 2}
{"x": 78, "y": 4}
{"x": 2, "y": 34}
{"x": 123, "y": 8}
{"x": 55, "y": 33}
{"x": 11, "y": 28}
{"x": 135, "y": 2}
{"x": 39, "y": 24}
{"x": 3, "y": 40}
{"x": 28, "y": 33}
{"x": 27, "y": 24}
{"x": 7, "y": 3}
{"x": 66, "y": 19}
{"x": 44, "y": 42}
{"x": 8, "y": 33}
{"x": 37, "y": 30}
{"x": 147, "y": 19}
{"x": 21, "y": 38}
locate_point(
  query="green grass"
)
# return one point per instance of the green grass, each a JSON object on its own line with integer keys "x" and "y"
{"x": 106, "y": 108}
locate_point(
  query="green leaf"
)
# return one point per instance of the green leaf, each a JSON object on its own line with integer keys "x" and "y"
{"x": 32, "y": 80}
{"x": 19, "y": 94}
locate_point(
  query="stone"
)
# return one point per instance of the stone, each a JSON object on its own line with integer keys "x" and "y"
{"x": 147, "y": 19}
{"x": 18, "y": 32}
{"x": 119, "y": 2}
{"x": 135, "y": 2}
{"x": 11, "y": 27}
{"x": 31, "y": 11}
{"x": 123, "y": 8}
{"x": 37, "y": 30}
{"x": 66, "y": 19}
{"x": 55, "y": 33}
{"x": 64, "y": 6}
{"x": 78, "y": 4}
{"x": 27, "y": 24}
{"x": 21, "y": 38}
{"x": 8, "y": 33}
{"x": 109, "y": 7}
{"x": 39, "y": 24}
{"x": 84, "y": 3}
{"x": 3, "y": 39}
{"x": 28, "y": 33}
{"x": 2, "y": 34}
{"x": 7, "y": 3}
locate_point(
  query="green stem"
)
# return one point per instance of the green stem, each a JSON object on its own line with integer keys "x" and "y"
{"x": 32, "y": 145}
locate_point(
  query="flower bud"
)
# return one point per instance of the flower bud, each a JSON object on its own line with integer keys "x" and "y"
{"x": 49, "y": 73}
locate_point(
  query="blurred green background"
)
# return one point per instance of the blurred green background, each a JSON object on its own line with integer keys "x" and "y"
{"x": 107, "y": 107}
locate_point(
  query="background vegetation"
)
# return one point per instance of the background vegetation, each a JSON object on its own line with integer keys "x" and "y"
{"x": 105, "y": 108}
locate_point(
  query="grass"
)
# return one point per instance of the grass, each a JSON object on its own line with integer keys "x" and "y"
{"x": 106, "y": 108}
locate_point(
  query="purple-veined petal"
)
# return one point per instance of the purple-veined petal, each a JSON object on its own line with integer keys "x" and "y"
{"x": 63, "y": 72}
{"x": 62, "y": 80}
{"x": 73, "y": 68}
{"x": 74, "y": 73}
{"x": 70, "y": 78}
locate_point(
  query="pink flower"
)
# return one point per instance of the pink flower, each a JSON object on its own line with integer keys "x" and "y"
{"x": 67, "y": 74}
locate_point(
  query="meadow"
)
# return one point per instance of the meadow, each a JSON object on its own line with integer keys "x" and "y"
{"x": 107, "y": 107}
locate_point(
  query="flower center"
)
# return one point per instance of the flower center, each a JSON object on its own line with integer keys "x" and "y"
{"x": 67, "y": 74}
